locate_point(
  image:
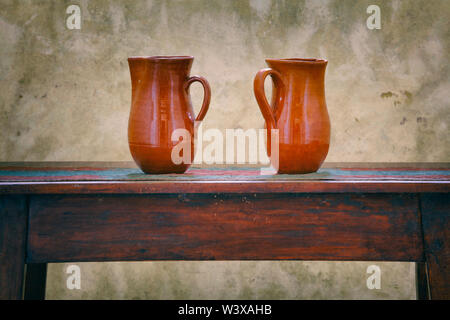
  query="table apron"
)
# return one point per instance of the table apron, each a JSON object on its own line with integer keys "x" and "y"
{"x": 326, "y": 226}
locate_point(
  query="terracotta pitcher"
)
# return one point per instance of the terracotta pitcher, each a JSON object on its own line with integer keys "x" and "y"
{"x": 298, "y": 110}
{"x": 161, "y": 104}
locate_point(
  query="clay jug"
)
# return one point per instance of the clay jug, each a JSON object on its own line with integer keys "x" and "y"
{"x": 161, "y": 104}
{"x": 298, "y": 110}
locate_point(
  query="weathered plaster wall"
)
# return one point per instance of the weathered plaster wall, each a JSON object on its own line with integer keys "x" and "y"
{"x": 232, "y": 280}
{"x": 65, "y": 95}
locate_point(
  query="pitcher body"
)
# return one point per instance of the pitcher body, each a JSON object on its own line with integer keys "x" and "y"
{"x": 298, "y": 111}
{"x": 160, "y": 105}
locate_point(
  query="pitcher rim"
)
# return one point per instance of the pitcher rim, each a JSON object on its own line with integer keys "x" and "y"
{"x": 161, "y": 59}
{"x": 313, "y": 61}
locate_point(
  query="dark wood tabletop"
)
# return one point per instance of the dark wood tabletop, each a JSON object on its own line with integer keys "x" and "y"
{"x": 111, "y": 211}
{"x": 125, "y": 177}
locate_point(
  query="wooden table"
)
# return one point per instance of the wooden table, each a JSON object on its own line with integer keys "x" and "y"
{"x": 60, "y": 212}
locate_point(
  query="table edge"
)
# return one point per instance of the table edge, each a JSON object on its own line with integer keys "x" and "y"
{"x": 159, "y": 187}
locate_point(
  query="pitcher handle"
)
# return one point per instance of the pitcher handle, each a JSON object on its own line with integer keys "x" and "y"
{"x": 206, "y": 97}
{"x": 260, "y": 95}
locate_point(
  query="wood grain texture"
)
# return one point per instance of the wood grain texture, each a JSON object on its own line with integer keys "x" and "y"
{"x": 13, "y": 228}
{"x": 435, "y": 211}
{"x": 155, "y": 187}
{"x": 123, "y": 178}
{"x": 224, "y": 227}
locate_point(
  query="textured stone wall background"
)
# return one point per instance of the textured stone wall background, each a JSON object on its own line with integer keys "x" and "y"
{"x": 65, "y": 95}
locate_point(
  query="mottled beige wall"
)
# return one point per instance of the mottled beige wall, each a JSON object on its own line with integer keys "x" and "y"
{"x": 232, "y": 280}
{"x": 65, "y": 95}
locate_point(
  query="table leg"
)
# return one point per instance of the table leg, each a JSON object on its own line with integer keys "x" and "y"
{"x": 435, "y": 210}
{"x": 422, "y": 281}
{"x": 35, "y": 280}
{"x": 13, "y": 234}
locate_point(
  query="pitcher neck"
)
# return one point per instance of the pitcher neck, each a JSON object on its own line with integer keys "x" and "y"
{"x": 300, "y": 68}
{"x": 173, "y": 66}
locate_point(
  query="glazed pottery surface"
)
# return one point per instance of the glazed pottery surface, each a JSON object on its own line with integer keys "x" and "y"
{"x": 161, "y": 104}
{"x": 298, "y": 110}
